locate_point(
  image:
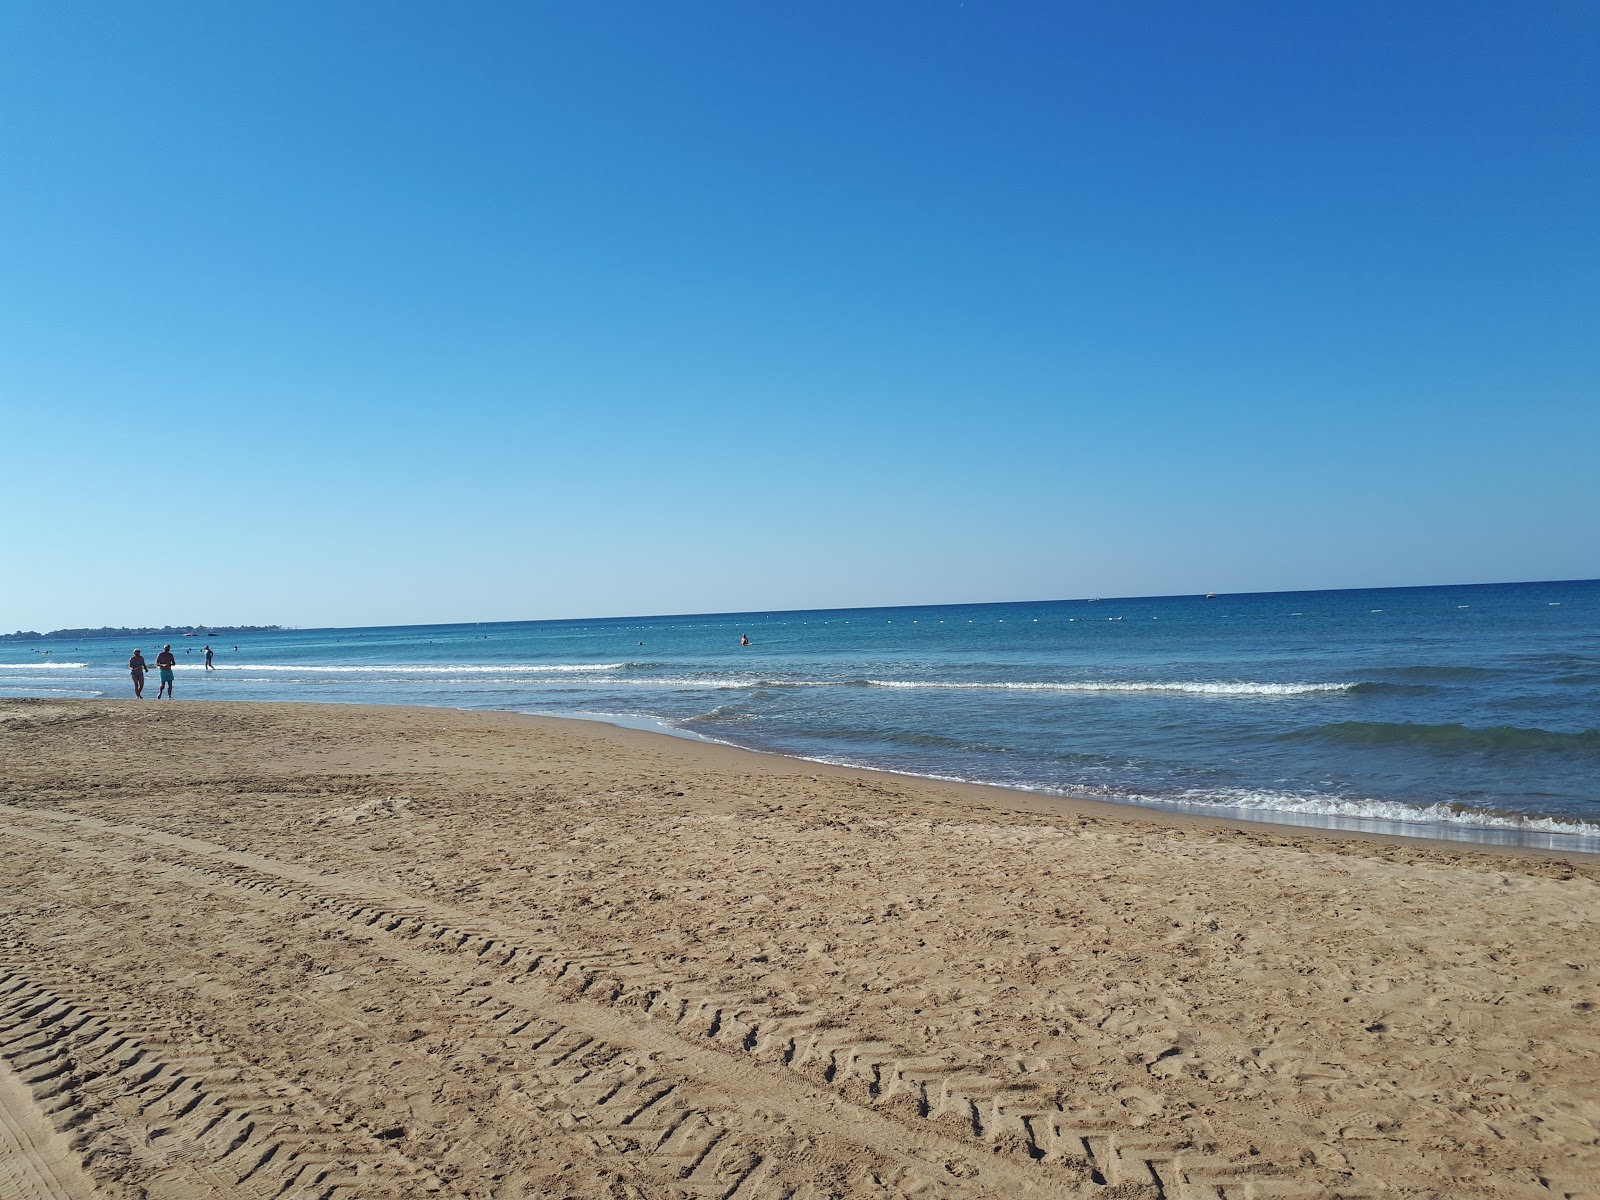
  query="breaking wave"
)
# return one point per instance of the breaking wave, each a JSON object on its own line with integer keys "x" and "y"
{"x": 728, "y": 683}
{"x": 413, "y": 669}
{"x": 1181, "y": 686}
{"x": 1389, "y": 811}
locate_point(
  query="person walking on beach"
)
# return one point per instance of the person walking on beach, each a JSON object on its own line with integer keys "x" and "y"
{"x": 209, "y": 667}
{"x": 137, "y": 667}
{"x": 165, "y": 662}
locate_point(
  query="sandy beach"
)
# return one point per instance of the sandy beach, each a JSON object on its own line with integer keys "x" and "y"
{"x": 338, "y": 951}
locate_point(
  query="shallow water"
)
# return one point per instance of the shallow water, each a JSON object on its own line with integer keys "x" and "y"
{"x": 1459, "y": 711}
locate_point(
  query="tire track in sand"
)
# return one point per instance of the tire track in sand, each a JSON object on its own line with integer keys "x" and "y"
{"x": 658, "y": 1129}
{"x": 136, "y": 1108}
{"x": 35, "y": 1162}
{"x": 995, "y": 1137}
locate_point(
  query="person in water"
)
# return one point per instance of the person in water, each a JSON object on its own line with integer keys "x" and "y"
{"x": 209, "y": 667}
{"x": 165, "y": 662}
{"x": 137, "y": 667}
{"x": 744, "y": 639}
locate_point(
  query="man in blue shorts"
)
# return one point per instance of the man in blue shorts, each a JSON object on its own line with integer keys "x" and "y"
{"x": 165, "y": 662}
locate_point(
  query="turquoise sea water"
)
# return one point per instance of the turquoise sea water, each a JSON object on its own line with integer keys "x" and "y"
{"x": 1467, "y": 711}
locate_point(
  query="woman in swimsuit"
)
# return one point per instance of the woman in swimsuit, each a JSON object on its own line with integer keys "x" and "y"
{"x": 137, "y": 667}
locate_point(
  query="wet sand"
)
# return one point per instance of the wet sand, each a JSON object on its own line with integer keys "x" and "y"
{"x": 308, "y": 950}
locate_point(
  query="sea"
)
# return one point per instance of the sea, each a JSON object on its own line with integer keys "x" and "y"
{"x": 1467, "y": 713}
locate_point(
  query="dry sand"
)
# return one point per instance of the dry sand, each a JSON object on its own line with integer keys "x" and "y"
{"x": 300, "y": 950}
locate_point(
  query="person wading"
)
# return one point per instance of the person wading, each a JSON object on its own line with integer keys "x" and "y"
{"x": 165, "y": 663}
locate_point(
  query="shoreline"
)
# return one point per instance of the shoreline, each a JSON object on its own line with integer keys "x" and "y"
{"x": 1154, "y": 813}
{"x": 1282, "y": 822}
{"x": 1031, "y": 801}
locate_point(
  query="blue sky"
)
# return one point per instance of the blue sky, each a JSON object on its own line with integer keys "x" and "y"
{"x": 380, "y": 313}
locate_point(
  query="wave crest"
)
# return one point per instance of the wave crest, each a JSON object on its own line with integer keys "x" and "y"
{"x": 1182, "y": 686}
{"x": 1439, "y": 813}
{"x": 415, "y": 669}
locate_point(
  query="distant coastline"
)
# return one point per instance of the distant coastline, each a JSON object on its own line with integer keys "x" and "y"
{"x": 29, "y": 635}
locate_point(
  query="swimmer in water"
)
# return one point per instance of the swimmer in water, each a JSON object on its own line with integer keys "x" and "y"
{"x": 744, "y": 640}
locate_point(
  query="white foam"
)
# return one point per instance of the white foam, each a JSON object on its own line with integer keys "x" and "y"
{"x": 1390, "y": 816}
{"x": 1183, "y": 686}
{"x": 712, "y": 683}
{"x": 642, "y": 721}
{"x": 410, "y": 669}
{"x": 1388, "y": 811}
{"x": 721, "y": 683}
{"x": 41, "y": 664}
{"x": 1417, "y": 820}
{"x": 735, "y": 683}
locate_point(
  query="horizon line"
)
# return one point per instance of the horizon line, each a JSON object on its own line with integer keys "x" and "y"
{"x": 769, "y": 612}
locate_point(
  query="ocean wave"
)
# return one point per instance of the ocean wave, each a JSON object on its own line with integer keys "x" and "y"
{"x": 902, "y": 737}
{"x": 1451, "y": 737}
{"x": 741, "y": 683}
{"x": 1439, "y": 813}
{"x": 723, "y": 682}
{"x": 722, "y": 712}
{"x": 1563, "y": 661}
{"x": 1442, "y": 672}
{"x": 1182, "y": 686}
{"x": 1373, "y": 687}
{"x": 45, "y": 665}
{"x": 412, "y": 669}
{"x": 574, "y": 673}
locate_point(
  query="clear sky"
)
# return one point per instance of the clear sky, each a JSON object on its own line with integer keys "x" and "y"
{"x": 370, "y": 313}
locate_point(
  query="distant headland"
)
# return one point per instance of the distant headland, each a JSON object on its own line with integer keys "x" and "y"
{"x": 30, "y": 635}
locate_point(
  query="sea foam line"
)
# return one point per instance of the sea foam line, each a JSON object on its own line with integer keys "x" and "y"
{"x": 1418, "y": 817}
{"x": 1193, "y": 688}
{"x": 1198, "y": 688}
{"x": 1438, "y": 813}
{"x": 740, "y": 683}
{"x": 411, "y": 669}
